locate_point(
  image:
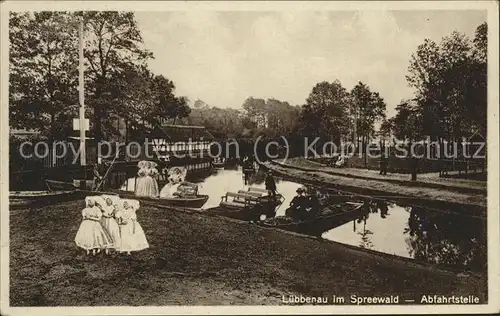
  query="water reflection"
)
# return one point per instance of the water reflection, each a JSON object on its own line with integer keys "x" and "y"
{"x": 221, "y": 181}
{"x": 436, "y": 237}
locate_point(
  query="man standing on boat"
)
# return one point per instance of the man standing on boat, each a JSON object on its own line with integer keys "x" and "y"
{"x": 271, "y": 184}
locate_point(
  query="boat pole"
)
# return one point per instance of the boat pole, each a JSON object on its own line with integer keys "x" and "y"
{"x": 83, "y": 156}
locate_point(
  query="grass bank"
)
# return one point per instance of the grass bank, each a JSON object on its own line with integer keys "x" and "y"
{"x": 474, "y": 203}
{"x": 202, "y": 260}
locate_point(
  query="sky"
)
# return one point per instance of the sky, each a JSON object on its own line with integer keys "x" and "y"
{"x": 223, "y": 57}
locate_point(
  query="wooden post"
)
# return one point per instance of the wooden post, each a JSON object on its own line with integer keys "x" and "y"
{"x": 83, "y": 156}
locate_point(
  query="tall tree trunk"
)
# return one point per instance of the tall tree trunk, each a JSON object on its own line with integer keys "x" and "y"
{"x": 126, "y": 131}
{"x": 364, "y": 150}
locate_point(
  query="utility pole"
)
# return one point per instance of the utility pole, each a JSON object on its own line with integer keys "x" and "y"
{"x": 83, "y": 156}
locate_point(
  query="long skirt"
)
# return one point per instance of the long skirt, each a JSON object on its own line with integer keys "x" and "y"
{"x": 91, "y": 235}
{"x": 133, "y": 237}
{"x": 168, "y": 190}
{"x": 113, "y": 230}
{"x": 146, "y": 186}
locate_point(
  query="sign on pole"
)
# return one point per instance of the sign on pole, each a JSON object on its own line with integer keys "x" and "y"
{"x": 76, "y": 124}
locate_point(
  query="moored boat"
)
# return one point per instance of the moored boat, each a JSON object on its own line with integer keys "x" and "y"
{"x": 251, "y": 205}
{"x": 21, "y": 199}
{"x": 329, "y": 217}
{"x": 55, "y": 185}
{"x": 196, "y": 201}
{"x": 185, "y": 196}
{"x": 219, "y": 163}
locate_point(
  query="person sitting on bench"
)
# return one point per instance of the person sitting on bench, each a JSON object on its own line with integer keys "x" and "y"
{"x": 313, "y": 204}
{"x": 297, "y": 205}
{"x": 340, "y": 162}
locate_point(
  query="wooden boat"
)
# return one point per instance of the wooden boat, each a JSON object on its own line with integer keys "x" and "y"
{"x": 329, "y": 217}
{"x": 55, "y": 185}
{"x": 219, "y": 163}
{"x": 22, "y": 199}
{"x": 187, "y": 197}
{"x": 196, "y": 201}
{"x": 248, "y": 205}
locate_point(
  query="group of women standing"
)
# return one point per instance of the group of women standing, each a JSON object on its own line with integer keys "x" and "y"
{"x": 147, "y": 184}
{"x": 110, "y": 223}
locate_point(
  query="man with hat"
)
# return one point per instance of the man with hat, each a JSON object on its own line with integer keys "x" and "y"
{"x": 271, "y": 184}
{"x": 297, "y": 205}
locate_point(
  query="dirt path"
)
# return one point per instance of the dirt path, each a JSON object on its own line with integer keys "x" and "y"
{"x": 430, "y": 180}
{"x": 203, "y": 260}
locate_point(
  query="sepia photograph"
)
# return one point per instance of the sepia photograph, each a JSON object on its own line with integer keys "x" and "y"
{"x": 249, "y": 157}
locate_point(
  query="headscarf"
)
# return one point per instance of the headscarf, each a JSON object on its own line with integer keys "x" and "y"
{"x": 132, "y": 203}
{"x": 100, "y": 202}
{"x": 114, "y": 198}
{"x": 88, "y": 199}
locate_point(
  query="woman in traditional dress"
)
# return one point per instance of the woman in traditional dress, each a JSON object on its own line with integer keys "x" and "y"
{"x": 132, "y": 235}
{"x": 153, "y": 173}
{"x": 175, "y": 178}
{"x": 91, "y": 235}
{"x": 109, "y": 222}
{"x": 146, "y": 183}
{"x": 139, "y": 183}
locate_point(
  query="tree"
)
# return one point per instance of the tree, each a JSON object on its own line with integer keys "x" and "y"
{"x": 165, "y": 103}
{"x": 406, "y": 124}
{"x": 256, "y": 111}
{"x": 325, "y": 113}
{"x": 450, "y": 84}
{"x": 43, "y": 78}
{"x": 477, "y": 96}
{"x": 113, "y": 46}
{"x": 367, "y": 108}
{"x": 386, "y": 129}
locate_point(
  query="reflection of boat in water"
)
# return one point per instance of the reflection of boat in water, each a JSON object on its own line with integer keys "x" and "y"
{"x": 328, "y": 217}
{"x": 219, "y": 163}
{"x": 18, "y": 199}
{"x": 252, "y": 205}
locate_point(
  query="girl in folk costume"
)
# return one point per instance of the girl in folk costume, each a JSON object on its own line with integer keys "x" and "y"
{"x": 141, "y": 174}
{"x": 108, "y": 220}
{"x": 175, "y": 177}
{"x": 91, "y": 235}
{"x": 153, "y": 173}
{"x": 146, "y": 183}
{"x": 132, "y": 235}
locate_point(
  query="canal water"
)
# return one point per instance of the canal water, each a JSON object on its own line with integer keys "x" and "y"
{"x": 431, "y": 236}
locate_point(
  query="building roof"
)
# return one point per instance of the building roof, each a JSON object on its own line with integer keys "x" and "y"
{"x": 180, "y": 133}
{"x": 22, "y": 131}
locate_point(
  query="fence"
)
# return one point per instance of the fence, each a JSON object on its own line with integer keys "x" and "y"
{"x": 56, "y": 156}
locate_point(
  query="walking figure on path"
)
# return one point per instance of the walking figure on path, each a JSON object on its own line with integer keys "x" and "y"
{"x": 383, "y": 163}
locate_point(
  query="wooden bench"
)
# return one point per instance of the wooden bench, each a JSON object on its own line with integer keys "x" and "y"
{"x": 258, "y": 190}
{"x": 256, "y": 194}
{"x": 239, "y": 200}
